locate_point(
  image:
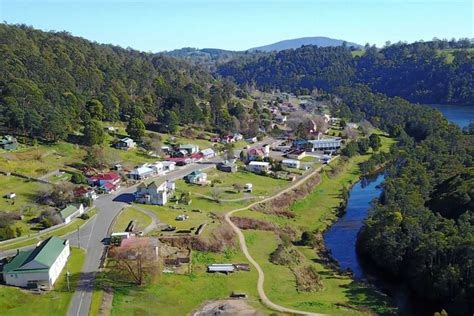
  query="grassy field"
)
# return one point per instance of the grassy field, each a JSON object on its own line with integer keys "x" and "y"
{"x": 38, "y": 160}
{"x": 14, "y": 301}
{"x": 189, "y": 290}
{"x": 64, "y": 230}
{"x": 142, "y": 220}
{"x": 339, "y": 296}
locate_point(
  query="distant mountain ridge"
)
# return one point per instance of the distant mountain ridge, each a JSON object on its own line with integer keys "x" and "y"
{"x": 320, "y": 41}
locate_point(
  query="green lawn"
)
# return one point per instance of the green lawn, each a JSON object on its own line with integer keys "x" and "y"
{"x": 142, "y": 220}
{"x": 189, "y": 290}
{"x": 14, "y": 301}
{"x": 280, "y": 283}
{"x": 64, "y": 230}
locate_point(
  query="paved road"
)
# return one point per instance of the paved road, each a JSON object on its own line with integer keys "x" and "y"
{"x": 92, "y": 236}
{"x": 243, "y": 246}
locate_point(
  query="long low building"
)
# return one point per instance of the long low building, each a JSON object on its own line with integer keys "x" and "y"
{"x": 318, "y": 144}
{"x": 40, "y": 267}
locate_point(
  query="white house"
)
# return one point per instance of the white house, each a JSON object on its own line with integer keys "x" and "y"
{"x": 40, "y": 267}
{"x": 141, "y": 173}
{"x": 291, "y": 163}
{"x": 125, "y": 143}
{"x": 189, "y": 148}
{"x": 157, "y": 167}
{"x": 208, "y": 153}
{"x": 71, "y": 212}
{"x": 238, "y": 136}
{"x": 153, "y": 193}
{"x": 168, "y": 165}
{"x": 258, "y": 166}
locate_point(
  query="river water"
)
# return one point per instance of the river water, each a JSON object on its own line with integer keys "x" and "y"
{"x": 341, "y": 237}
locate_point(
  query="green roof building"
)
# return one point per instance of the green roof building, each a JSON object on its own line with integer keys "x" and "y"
{"x": 39, "y": 267}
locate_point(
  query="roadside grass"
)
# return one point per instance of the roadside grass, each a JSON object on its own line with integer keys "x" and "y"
{"x": 64, "y": 230}
{"x": 96, "y": 301}
{"x": 189, "y": 290}
{"x": 339, "y": 296}
{"x": 142, "y": 220}
{"x": 15, "y": 301}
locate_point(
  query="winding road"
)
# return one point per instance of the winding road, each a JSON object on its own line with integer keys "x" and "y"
{"x": 243, "y": 246}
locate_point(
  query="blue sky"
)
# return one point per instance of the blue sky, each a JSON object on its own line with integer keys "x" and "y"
{"x": 241, "y": 24}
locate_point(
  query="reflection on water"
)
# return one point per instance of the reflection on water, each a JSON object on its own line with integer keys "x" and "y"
{"x": 341, "y": 237}
{"x": 460, "y": 115}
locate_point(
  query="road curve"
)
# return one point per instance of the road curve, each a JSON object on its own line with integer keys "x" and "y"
{"x": 243, "y": 247}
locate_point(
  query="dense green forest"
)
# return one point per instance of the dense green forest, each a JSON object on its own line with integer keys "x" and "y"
{"x": 426, "y": 72}
{"x": 54, "y": 84}
{"x": 421, "y": 230}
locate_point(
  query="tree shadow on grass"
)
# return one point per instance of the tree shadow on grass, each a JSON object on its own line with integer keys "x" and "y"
{"x": 365, "y": 297}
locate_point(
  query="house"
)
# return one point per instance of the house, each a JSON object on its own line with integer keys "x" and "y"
{"x": 208, "y": 153}
{"x": 103, "y": 178}
{"x": 168, "y": 165}
{"x": 8, "y": 142}
{"x": 238, "y": 136}
{"x": 86, "y": 193}
{"x": 317, "y": 144}
{"x": 215, "y": 139}
{"x": 227, "y": 139}
{"x": 196, "y": 157}
{"x": 196, "y": 177}
{"x": 251, "y": 140}
{"x": 154, "y": 194}
{"x": 352, "y": 125}
{"x": 256, "y": 154}
{"x": 158, "y": 167}
{"x": 125, "y": 143}
{"x": 280, "y": 118}
{"x": 296, "y": 154}
{"x": 258, "y": 166}
{"x": 165, "y": 149}
{"x": 40, "y": 267}
{"x": 227, "y": 166}
{"x": 108, "y": 187}
{"x": 71, "y": 212}
{"x": 141, "y": 173}
{"x": 291, "y": 163}
{"x": 180, "y": 161}
{"x": 189, "y": 148}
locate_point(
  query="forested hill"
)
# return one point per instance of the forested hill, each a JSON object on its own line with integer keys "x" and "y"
{"x": 425, "y": 72}
{"x": 52, "y": 84}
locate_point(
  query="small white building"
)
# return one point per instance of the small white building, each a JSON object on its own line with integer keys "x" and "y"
{"x": 208, "y": 153}
{"x": 125, "y": 143}
{"x": 157, "y": 167}
{"x": 168, "y": 165}
{"x": 69, "y": 213}
{"x": 291, "y": 163}
{"x": 189, "y": 148}
{"x": 248, "y": 187}
{"x": 222, "y": 267}
{"x": 141, "y": 173}
{"x": 258, "y": 166}
{"x": 10, "y": 195}
{"x": 40, "y": 267}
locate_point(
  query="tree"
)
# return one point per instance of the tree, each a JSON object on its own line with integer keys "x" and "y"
{"x": 375, "y": 142}
{"x": 363, "y": 145}
{"x": 78, "y": 178}
{"x": 350, "y": 150}
{"x": 308, "y": 239}
{"x": 238, "y": 187}
{"x": 95, "y": 109}
{"x": 171, "y": 122}
{"x": 95, "y": 157}
{"x": 93, "y": 133}
{"x": 136, "y": 128}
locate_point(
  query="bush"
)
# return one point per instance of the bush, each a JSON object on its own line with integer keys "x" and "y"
{"x": 85, "y": 216}
{"x": 78, "y": 178}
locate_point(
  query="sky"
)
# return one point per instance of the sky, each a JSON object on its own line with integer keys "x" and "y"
{"x": 160, "y": 25}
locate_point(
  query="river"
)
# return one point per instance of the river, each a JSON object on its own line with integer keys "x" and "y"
{"x": 459, "y": 114}
{"x": 341, "y": 237}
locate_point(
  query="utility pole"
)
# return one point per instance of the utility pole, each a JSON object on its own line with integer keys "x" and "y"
{"x": 67, "y": 276}
{"x": 78, "y": 238}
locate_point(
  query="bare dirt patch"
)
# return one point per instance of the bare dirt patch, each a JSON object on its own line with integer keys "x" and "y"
{"x": 227, "y": 307}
